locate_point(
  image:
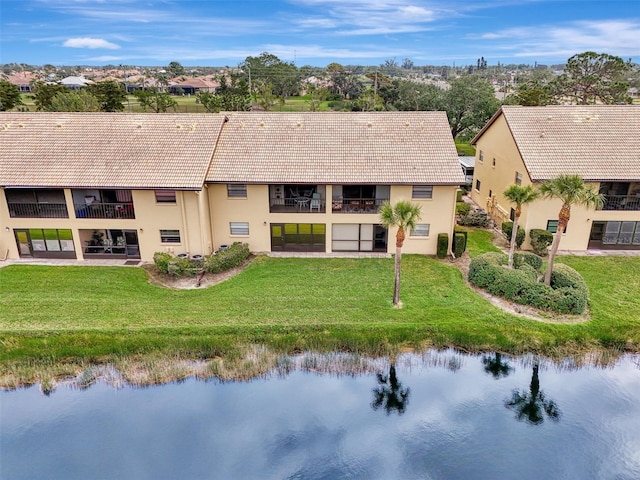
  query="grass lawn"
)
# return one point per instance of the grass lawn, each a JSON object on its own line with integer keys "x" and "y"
{"x": 83, "y": 314}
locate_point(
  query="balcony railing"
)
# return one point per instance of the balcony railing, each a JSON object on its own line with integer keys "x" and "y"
{"x": 357, "y": 205}
{"x": 38, "y": 210}
{"x": 621, "y": 202}
{"x": 105, "y": 210}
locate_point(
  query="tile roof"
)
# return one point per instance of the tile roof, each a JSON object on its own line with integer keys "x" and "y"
{"x": 598, "y": 142}
{"x": 331, "y": 147}
{"x": 117, "y": 150}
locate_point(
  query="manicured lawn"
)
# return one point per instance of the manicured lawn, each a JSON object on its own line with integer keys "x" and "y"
{"x": 56, "y": 319}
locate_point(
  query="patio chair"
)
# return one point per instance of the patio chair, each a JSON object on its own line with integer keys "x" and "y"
{"x": 315, "y": 202}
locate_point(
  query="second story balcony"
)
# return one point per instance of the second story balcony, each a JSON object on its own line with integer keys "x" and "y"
{"x": 103, "y": 204}
{"x": 36, "y": 203}
{"x": 359, "y": 198}
{"x": 621, "y": 195}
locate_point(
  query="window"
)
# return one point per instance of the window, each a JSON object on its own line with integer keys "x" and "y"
{"x": 51, "y": 240}
{"x": 494, "y": 163}
{"x": 518, "y": 179}
{"x": 421, "y": 230}
{"x": 490, "y": 193}
{"x": 170, "y": 236}
{"x": 512, "y": 214}
{"x": 478, "y": 185}
{"x": 237, "y": 191}
{"x": 422, "y": 191}
{"x": 239, "y": 228}
{"x": 481, "y": 156}
{"x": 165, "y": 196}
{"x": 552, "y": 226}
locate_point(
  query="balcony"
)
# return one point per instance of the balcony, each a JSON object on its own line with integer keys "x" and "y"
{"x": 622, "y": 202}
{"x": 103, "y": 204}
{"x": 357, "y": 205}
{"x": 105, "y": 210}
{"x": 37, "y": 210}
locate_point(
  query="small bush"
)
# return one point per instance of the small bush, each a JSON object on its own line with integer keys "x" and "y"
{"x": 565, "y": 276}
{"x": 540, "y": 240}
{"x": 172, "y": 265}
{"x": 507, "y": 229}
{"x": 462, "y": 208}
{"x": 483, "y": 269}
{"x": 475, "y": 219}
{"x": 227, "y": 259}
{"x": 568, "y": 292}
{"x": 443, "y": 245}
{"x": 459, "y": 243}
{"x": 527, "y": 258}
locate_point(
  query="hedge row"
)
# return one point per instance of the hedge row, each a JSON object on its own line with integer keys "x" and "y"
{"x": 220, "y": 261}
{"x": 568, "y": 292}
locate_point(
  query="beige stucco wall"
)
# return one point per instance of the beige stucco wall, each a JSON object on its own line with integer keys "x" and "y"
{"x": 498, "y": 143}
{"x": 438, "y": 212}
{"x": 150, "y": 218}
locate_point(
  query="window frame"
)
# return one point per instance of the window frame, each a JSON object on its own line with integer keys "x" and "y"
{"x": 477, "y": 185}
{"x": 481, "y": 157}
{"x": 168, "y": 235}
{"x": 417, "y": 232}
{"x": 422, "y": 192}
{"x": 556, "y": 227}
{"x": 234, "y": 226}
{"x": 165, "y": 196}
{"x": 518, "y": 178}
{"x": 236, "y": 190}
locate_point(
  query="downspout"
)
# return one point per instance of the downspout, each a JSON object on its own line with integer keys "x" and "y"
{"x": 185, "y": 226}
{"x": 453, "y": 223}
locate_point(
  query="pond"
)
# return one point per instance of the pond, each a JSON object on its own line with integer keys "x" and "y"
{"x": 435, "y": 415}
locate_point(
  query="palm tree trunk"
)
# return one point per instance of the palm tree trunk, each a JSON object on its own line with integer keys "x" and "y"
{"x": 396, "y": 283}
{"x": 563, "y": 219}
{"x": 514, "y": 236}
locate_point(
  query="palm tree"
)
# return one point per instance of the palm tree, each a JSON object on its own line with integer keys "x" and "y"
{"x": 403, "y": 215}
{"x": 518, "y": 195}
{"x": 572, "y": 190}
{"x": 532, "y": 405}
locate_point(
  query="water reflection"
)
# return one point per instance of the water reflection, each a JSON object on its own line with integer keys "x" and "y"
{"x": 532, "y": 405}
{"x": 496, "y": 366}
{"x": 390, "y": 394}
{"x": 312, "y": 417}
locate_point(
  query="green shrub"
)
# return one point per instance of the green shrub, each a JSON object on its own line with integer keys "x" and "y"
{"x": 462, "y": 208}
{"x": 172, "y": 265}
{"x": 459, "y": 194}
{"x": 227, "y": 259}
{"x": 540, "y": 240}
{"x": 484, "y": 268}
{"x": 459, "y": 243}
{"x": 527, "y": 258}
{"x": 565, "y": 276}
{"x": 162, "y": 259}
{"x": 474, "y": 219}
{"x": 507, "y": 229}
{"x": 443, "y": 245}
{"x": 568, "y": 293}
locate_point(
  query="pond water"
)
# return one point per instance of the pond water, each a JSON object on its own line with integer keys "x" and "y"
{"x": 436, "y": 415}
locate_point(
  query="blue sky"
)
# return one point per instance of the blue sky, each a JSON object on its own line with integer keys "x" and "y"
{"x": 314, "y": 32}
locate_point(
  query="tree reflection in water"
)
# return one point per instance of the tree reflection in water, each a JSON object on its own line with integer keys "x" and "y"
{"x": 390, "y": 394}
{"x": 532, "y": 406}
{"x": 496, "y": 366}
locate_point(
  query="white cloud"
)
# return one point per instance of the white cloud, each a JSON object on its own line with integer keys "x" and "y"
{"x": 88, "y": 42}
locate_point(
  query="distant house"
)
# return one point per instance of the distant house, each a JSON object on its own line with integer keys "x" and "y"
{"x": 191, "y": 86}
{"x": 110, "y": 185}
{"x": 528, "y": 145}
{"x": 468, "y": 165}
{"x": 23, "y": 80}
{"x": 75, "y": 83}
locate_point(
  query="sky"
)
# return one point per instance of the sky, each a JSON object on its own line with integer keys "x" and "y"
{"x": 314, "y": 32}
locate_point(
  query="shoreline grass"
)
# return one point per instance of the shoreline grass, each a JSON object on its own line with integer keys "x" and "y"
{"x": 63, "y": 318}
